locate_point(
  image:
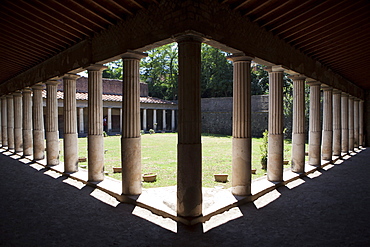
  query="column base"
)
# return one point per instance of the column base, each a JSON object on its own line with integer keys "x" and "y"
{"x": 131, "y": 166}
{"x": 70, "y": 153}
{"x": 275, "y": 158}
{"x": 241, "y": 166}
{"x": 18, "y": 141}
{"x": 27, "y": 142}
{"x": 298, "y": 152}
{"x": 52, "y": 148}
{"x": 95, "y": 147}
{"x": 38, "y": 145}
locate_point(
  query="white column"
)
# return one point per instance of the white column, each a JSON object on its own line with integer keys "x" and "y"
{"x": 275, "y": 125}
{"x": 173, "y": 120}
{"x": 81, "y": 119}
{"x": 189, "y": 147}
{"x": 95, "y": 144}
{"x": 298, "y": 135}
{"x": 18, "y": 140}
{"x": 70, "y": 124}
{"x": 51, "y": 128}
{"x": 327, "y": 132}
{"x": 337, "y": 125}
{"x": 164, "y": 120}
{"x": 131, "y": 138}
{"x": 356, "y": 123}
{"x": 155, "y": 119}
{"x": 241, "y": 142}
{"x": 10, "y": 118}
{"x": 314, "y": 141}
{"x": 38, "y": 122}
{"x": 144, "y": 119}
{"x": 4, "y": 121}
{"x": 351, "y": 124}
{"x": 345, "y": 131}
{"x": 27, "y": 122}
{"x": 109, "y": 120}
{"x": 361, "y": 123}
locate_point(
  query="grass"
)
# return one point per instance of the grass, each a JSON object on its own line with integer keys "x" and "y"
{"x": 159, "y": 155}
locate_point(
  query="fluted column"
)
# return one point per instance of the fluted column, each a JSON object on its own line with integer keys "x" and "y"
{"x": 144, "y": 119}
{"x": 298, "y": 135}
{"x": 173, "y": 120}
{"x": 131, "y": 139}
{"x": 164, "y": 120}
{"x": 356, "y": 123}
{"x": 275, "y": 125}
{"x": 95, "y": 144}
{"x": 327, "y": 132}
{"x": 241, "y": 142}
{"x": 10, "y": 118}
{"x": 109, "y": 120}
{"x": 51, "y": 127}
{"x": 4, "y": 121}
{"x": 351, "y": 130}
{"x": 314, "y": 139}
{"x": 361, "y": 123}
{"x": 27, "y": 122}
{"x": 70, "y": 147}
{"x": 18, "y": 141}
{"x": 155, "y": 119}
{"x": 337, "y": 125}
{"x": 38, "y": 122}
{"x": 189, "y": 147}
{"x": 345, "y": 131}
{"x": 81, "y": 120}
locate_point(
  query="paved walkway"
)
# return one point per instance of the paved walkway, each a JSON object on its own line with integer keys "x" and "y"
{"x": 42, "y": 208}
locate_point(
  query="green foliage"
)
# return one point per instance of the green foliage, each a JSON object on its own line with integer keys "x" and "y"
{"x": 259, "y": 80}
{"x": 264, "y": 149}
{"x": 114, "y": 70}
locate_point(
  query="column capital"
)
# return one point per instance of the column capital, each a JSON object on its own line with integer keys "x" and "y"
{"x": 325, "y": 87}
{"x": 71, "y": 76}
{"x": 297, "y": 77}
{"x": 38, "y": 86}
{"x": 344, "y": 94}
{"x": 17, "y": 93}
{"x": 133, "y": 55}
{"x": 26, "y": 90}
{"x": 275, "y": 68}
{"x": 239, "y": 57}
{"x": 337, "y": 91}
{"x": 313, "y": 83}
{"x": 52, "y": 82}
{"x": 189, "y": 37}
{"x": 9, "y": 95}
{"x": 351, "y": 97}
{"x": 97, "y": 67}
{"x": 356, "y": 99}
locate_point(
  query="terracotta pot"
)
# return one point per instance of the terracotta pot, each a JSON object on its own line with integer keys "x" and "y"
{"x": 221, "y": 178}
{"x": 82, "y": 159}
{"x": 253, "y": 171}
{"x": 117, "y": 169}
{"x": 286, "y": 162}
{"x": 149, "y": 177}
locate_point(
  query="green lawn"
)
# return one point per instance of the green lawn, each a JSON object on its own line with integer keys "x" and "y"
{"x": 159, "y": 156}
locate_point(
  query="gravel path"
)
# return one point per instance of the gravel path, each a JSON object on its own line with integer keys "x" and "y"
{"x": 42, "y": 208}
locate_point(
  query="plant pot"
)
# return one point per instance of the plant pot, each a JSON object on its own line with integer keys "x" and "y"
{"x": 253, "y": 171}
{"x": 221, "y": 178}
{"x": 149, "y": 177}
{"x": 264, "y": 164}
{"x": 285, "y": 162}
{"x": 82, "y": 159}
{"x": 117, "y": 169}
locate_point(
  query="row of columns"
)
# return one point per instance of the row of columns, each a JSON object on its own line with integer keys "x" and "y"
{"x": 164, "y": 119}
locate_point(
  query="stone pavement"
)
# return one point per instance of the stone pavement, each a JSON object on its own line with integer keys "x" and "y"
{"x": 42, "y": 208}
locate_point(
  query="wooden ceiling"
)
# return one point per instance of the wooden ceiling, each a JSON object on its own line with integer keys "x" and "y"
{"x": 334, "y": 32}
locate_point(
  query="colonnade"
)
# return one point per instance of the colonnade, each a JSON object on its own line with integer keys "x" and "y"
{"x": 22, "y": 125}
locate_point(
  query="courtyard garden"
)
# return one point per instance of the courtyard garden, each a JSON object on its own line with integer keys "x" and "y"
{"x": 159, "y": 155}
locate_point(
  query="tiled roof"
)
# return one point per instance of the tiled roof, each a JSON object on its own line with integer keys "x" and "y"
{"x": 116, "y": 98}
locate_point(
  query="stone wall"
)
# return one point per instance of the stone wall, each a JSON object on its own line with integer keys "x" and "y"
{"x": 217, "y": 115}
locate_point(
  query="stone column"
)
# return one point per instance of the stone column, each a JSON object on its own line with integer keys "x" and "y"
{"x": 10, "y": 118}
{"x": 241, "y": 142}
{"x": 298, "y": 134}
{"x": 70, "y": 147}
{"x": 109, "y": 120}
{"x": 344, "y": 108}
{"x": 4, "y": 122}
{"x": 95, "y": 144}
{"x": 189, "y": 147}
{"x": 355, "y": 122}
{"x": 173, "y": 120}
{"x": 144, "y": 119}
{"x": 131, "y": 139}
{"x": 275, "y": 125}
{"x": 51, "y": 127}
{"x": 337, "y": 125}
{"x": 38, "y": 122}
{"x": 314, "y": 140}
{"x": 164, "y": 120}
{"x": 81, "y": 119}
{"x": 120, "y": 120}
{"x": 27, "y": 122}
{"x": 351, "y": 124}
{"x": 155, "y": 119}
{"x": 327, "y": 132}
{"x": 18, "y": 141}
{"x": 361, "y": 123}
